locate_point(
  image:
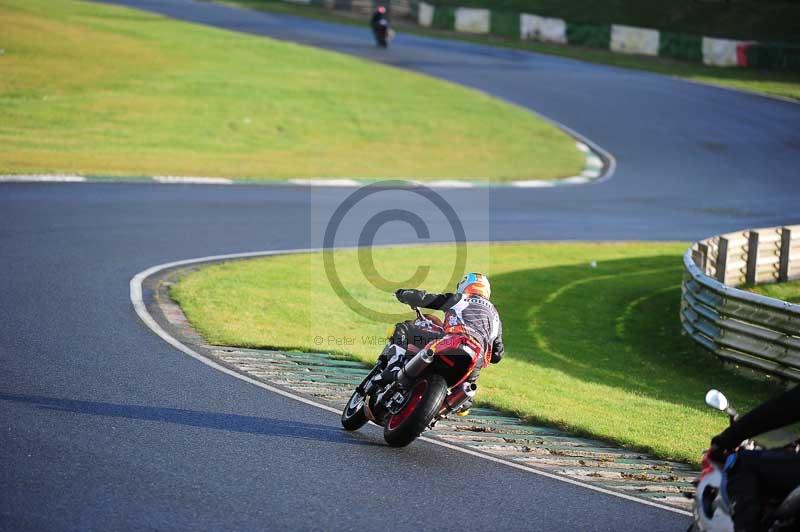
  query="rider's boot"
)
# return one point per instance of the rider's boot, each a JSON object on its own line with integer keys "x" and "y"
{"x": 465, "y": 408}
{"x": 386, "y": 354}
{"x": 395, "y": 358}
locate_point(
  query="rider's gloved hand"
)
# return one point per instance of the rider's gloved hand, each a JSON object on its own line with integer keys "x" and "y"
{"x": 403, "y": 295}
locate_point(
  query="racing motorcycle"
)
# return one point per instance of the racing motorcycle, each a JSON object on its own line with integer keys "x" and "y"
{"x": 380, "y": 28}
{"x": 431, "y": 384}
{"x": 381, "y": 32}
{"x": 711, "y": 510}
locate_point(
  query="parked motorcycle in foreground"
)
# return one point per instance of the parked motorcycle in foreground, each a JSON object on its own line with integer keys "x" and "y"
{"x": 711, "y": 509}
{"x": 432, "y": 384}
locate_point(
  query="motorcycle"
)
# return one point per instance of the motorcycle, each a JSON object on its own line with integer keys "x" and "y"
{"x": 711, "y": 509}
{"x": 380, "y": 29}
{"x": 430, "y": 385}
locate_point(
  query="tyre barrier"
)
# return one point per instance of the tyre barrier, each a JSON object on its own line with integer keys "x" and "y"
{"x": 738, "y": 326}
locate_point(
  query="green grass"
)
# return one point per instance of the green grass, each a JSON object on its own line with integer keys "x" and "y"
{"x": 773, "y": 83}
{"x": 94, "y": 89}
{"x": 596, "y": 351}
{"x": 786, "y": 291}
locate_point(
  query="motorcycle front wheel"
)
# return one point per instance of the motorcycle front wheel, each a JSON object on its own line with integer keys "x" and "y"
{"x": 353, "y": 416}
{"x": 424, "y": 402}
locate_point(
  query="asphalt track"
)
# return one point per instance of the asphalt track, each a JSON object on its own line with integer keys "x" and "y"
{"x": 105, "y": 427}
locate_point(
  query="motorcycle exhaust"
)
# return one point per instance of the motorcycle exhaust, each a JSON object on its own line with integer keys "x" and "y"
{"x": 415, "y": 367}
{"x": 458, "y": 398}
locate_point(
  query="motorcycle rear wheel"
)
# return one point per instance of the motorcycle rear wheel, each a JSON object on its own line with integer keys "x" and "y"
{"x": 427, "y": 395}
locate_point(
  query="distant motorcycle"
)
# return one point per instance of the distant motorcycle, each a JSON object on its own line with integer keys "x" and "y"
{"x": 432, "y": 384}
{"x": 711, "y": 510}
{"x": 380, "y": 27}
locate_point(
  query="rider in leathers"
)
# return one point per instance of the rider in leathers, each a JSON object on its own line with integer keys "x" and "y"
{"x": 758, "y": 473}
{"x": 380, "y": 25}
{"x": 468, "y": 311}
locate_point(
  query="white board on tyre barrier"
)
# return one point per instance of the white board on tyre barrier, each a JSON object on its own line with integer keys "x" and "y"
{"x": 470, "y": 20}
{"x": 543, "y": 29}
{"x": 633, "y": 40}
{"x": 721, "y": 52}
{"x": 425, "y": 14}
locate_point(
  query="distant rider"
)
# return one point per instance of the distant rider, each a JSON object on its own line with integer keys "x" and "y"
{"x": 468, "y": 312}
{"x": 380, "y": 26}
{"x": 755, "y": 474}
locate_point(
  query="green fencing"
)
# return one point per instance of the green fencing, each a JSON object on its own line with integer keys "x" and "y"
{"x": 774, "y": 56}
{"x": 505, "y": 24}
{"x": 589, "y": 35}
{"x": 413, "y": 9}
{"x": 444, "y": 18}
{"x": 766, "y": 56}
{"x": 678, "y": 46}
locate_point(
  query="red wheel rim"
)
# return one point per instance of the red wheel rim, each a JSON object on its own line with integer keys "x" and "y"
{"x": 410, "y": 406}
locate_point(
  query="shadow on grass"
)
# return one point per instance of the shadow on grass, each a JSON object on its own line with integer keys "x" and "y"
{"x": 617, "y": 325}
{"x": 210, "y": 420}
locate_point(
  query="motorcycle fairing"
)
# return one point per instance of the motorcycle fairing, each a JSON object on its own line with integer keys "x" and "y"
{"x": 456, "y": 356}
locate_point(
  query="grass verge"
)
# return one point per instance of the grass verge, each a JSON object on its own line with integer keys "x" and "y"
{"x": 114, "y": 91}
{"x": 594, "y": 350}
{"x": 786, "y": 291}
{"x": 771, "y": 83}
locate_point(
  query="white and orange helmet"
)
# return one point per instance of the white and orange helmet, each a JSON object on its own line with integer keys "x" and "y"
{"x": 475, "y": 284}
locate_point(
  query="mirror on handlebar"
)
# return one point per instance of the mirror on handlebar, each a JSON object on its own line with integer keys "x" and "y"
{"x": 716, "y": 399}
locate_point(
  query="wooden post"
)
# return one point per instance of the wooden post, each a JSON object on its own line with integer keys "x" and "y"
{"x": 752, "y": 258}
{"x": 703, "y": 249}
{"x": 786, "y": 248}
{"x": 722, "y": 259}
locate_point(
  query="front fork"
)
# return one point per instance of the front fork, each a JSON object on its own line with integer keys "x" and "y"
{"x": 367, "y": 384}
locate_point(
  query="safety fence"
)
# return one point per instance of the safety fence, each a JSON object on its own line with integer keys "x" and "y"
{"x": 739, "y": 326}
{"x": 615, "y": 37}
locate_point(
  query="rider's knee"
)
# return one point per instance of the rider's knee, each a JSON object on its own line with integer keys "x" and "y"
{"x": 400, "y": 336}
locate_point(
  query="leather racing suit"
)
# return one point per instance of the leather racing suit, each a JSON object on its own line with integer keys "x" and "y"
{"x": 469, "y": 315}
